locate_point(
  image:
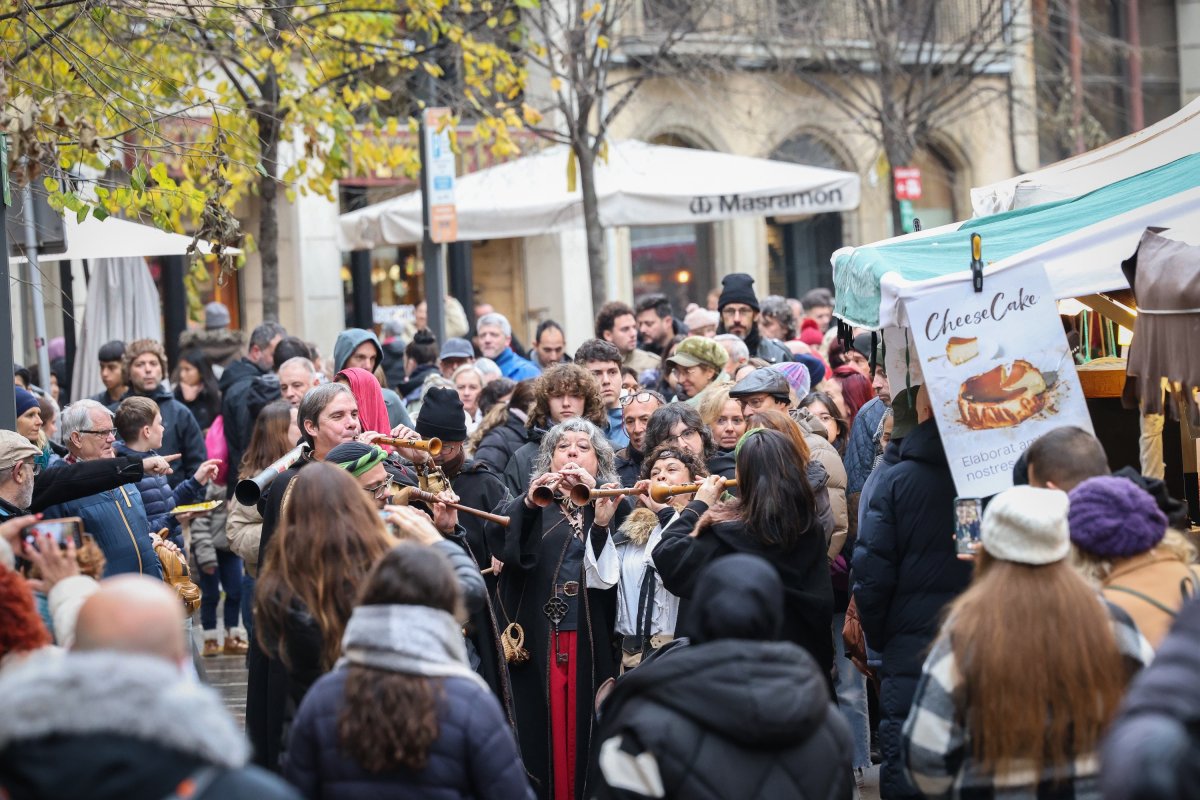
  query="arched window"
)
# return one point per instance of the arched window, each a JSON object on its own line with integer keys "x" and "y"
{"x": 675, "y": 260}
{"x": 800, "y": 247}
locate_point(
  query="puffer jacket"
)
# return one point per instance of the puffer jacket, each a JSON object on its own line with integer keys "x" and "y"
{"x": 1153, "y": 747}
{"x": 860, "y": 448}
{"x": 158, "y": 497}
{"x": 498, "y": 445}
{"x": 723, "y": 720}
{"x": 119, "y": 726}
{"x": 182, "y": 435}
{"x": 905, "y": 572}
{"x": 117, "y": 520}
{"x": 473, "y": 756}
{"x": 821, "y": 451}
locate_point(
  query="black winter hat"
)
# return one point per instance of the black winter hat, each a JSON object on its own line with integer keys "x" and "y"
{"x": 739, "y": 288}
{"x": 442, "y": 416}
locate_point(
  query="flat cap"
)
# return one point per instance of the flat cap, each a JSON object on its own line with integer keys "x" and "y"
{"x": 763, "y": 381}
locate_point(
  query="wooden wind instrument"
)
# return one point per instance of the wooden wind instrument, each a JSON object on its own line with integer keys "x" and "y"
{"x": 431, "y": 446}
{"x": 582, "y": 494}
{"x": 420, "y": 495}
{"x": 661, "y": 492}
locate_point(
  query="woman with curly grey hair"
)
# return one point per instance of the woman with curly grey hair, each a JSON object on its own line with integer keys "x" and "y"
{"x": 558, "y": 635}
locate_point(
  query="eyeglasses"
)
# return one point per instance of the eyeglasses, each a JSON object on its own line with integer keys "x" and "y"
{"x": 103, "y": 434}
{"x": 380, "y": 490}
{"x": 642, "y": 397}
{"x": 678, "y": 437}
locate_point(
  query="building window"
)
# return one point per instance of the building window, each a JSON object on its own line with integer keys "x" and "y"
{"x": 799, "y": 247}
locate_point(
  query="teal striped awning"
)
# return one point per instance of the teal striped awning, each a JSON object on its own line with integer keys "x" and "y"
{"x": 857, "y": 273}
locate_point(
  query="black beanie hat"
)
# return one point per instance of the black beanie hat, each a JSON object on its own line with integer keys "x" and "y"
{"x": 738, "y": 288}
{"x": 442, "y": 416}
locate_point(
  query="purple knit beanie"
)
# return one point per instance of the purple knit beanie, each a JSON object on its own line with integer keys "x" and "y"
{"x": 1114, "y": 518}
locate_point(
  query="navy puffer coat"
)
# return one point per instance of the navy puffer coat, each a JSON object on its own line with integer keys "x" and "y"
{"x": 474, "y": 755}
{"x": 905, "y": 572}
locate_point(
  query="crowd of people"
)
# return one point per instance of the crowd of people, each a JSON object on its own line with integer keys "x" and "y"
{"x": 710, "y": 553}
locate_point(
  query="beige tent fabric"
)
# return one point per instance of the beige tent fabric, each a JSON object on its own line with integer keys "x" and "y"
{"x": 122, "y": 303}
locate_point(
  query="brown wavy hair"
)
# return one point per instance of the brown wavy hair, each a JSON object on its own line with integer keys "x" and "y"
{"x": 330, "y": 536}
{"x": 568, "y": 379}
{"x": 389, "y": 719}
{"x": 1054, "y": 620}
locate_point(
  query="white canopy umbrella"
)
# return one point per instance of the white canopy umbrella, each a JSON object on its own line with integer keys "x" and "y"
{"x": 640, "y": 184}
{"x": 120, "y": 238}
{"x": 1165, "y": 141}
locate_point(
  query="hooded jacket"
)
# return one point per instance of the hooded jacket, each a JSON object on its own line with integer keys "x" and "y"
{"x": 347, "y": 342}
{"x": 860, "y": 449}
{"x": 117, "y": 726}
{"x": 731, "y": 715}
{"x": 182, "y": 435}
{"x": 905, "y": 572}
{"x": 825, "y": 454}
{"x": 235, "y": 385}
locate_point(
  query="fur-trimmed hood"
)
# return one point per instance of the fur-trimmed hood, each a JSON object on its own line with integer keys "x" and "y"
{"x": 120, "y": 695}
{"x": 638, "y": 526}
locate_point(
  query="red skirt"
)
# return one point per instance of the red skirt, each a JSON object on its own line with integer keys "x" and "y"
{"x": 563, "y": 715}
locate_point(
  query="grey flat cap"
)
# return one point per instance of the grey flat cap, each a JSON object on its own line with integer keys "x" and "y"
{"x": 763, "y": 381}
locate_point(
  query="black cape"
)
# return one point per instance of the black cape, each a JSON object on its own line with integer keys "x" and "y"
{"x": 530, "y": 548}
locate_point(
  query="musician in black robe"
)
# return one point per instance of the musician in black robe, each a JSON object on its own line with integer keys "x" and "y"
{"x": 566, "y": 628}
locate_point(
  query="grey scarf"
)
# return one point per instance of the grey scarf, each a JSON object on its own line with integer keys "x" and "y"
{"x": 415, "y": 640}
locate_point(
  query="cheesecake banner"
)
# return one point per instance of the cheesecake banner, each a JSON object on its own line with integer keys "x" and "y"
{"x": 998, "y": 371}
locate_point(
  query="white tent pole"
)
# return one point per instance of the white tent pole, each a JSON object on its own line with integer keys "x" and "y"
{"x": 34, "y": 276}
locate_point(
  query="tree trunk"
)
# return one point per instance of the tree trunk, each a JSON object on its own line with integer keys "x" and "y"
{"x": 269, "y": 125}
{"x": 597, "y": 261}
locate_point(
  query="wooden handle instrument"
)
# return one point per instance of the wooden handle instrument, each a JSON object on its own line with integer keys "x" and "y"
{"x": 582, "y": 494}
{"x": 431, "y": 446}
{"x": 413, "y": 493}
{"x": 661, "y": 492}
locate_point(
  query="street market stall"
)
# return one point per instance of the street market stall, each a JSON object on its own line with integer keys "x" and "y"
{"x": 996, "y": 369}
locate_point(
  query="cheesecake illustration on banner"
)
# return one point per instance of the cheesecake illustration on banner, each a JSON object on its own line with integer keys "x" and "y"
{"x": 960, "y": 349}
{"x": 1002, "y": 397}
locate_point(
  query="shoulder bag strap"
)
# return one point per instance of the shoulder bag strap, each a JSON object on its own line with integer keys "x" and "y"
{"x": 1143, "y": 597}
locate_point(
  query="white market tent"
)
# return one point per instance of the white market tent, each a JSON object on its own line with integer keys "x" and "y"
{"x": 639, "y": 184}
{"x": 1081, "y": 240}
{"x": 120, "y": 238}
{"x": 1160, "y": 144}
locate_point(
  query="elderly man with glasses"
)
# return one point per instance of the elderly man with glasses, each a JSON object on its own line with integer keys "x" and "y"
{"x": 116, "y": 518}
{"x": 636, "y": 407}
